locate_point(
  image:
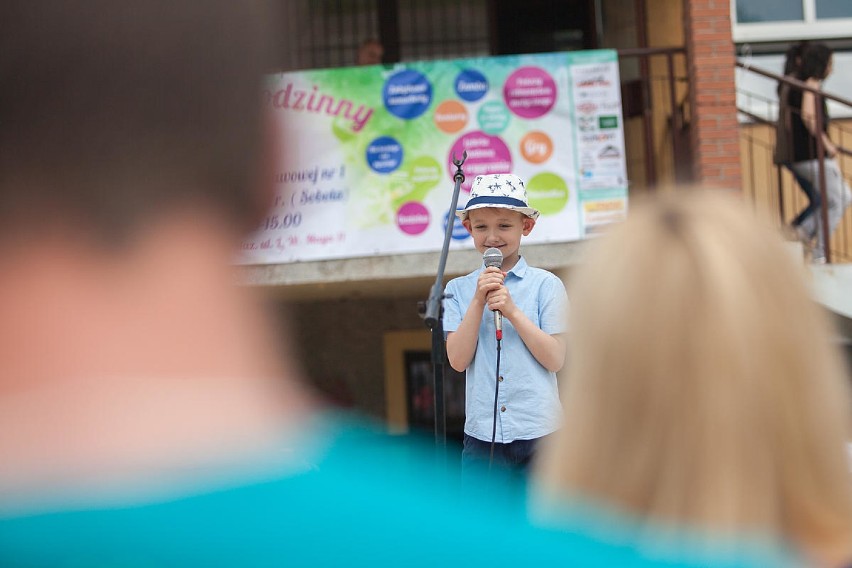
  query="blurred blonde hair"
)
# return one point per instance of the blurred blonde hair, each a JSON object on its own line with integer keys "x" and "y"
{"x": 702, "y": 384}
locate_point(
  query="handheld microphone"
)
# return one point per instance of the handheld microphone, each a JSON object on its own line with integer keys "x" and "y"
{"x": 493, "y": 257}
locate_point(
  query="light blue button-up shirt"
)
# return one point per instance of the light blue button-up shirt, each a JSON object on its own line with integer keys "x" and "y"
{"x": 528, "y": 402}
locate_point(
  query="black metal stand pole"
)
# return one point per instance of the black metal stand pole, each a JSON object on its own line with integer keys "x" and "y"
{"x": 496, "y": 396}
{"x": 434, "y": 314}
{"x": 823, "y": 229}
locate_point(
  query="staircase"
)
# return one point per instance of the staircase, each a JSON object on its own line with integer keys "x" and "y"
{"x": 774, "y": 194}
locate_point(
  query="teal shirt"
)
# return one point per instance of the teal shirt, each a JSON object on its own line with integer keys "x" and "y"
{"x": 367, "y": 500}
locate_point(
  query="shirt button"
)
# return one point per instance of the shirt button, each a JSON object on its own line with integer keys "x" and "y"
{"x": 500, "y": 379}
{"x": 502, "y": 409}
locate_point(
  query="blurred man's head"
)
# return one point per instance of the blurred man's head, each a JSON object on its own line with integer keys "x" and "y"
{"x": 113, "y": 112}
{"x": 370, "y": 52}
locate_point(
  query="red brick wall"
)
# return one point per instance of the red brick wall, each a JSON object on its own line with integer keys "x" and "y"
{"x": 714, "y": 133}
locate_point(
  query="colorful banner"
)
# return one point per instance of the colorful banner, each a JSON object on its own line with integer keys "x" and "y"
{"x": 366, "y": 166}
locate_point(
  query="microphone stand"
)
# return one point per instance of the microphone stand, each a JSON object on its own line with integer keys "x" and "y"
{"x": 496, "y": 396}
{"x": 434, "y": 311}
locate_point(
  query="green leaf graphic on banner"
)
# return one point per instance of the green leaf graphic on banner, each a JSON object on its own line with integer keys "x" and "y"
{"x": 422, "y": 174}
{"x": 548, "y": 193}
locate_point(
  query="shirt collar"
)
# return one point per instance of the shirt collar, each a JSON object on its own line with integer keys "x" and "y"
{"x": 520, "y": 267}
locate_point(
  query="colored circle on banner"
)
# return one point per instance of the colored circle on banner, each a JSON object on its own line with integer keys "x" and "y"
{"x": 486, "y": 154}
{"x": 407, "y": 94}
{"x": 459, "y": 232}
{"x": 548, "y": 193}
{"x": 412, "y": 218}
{"x": 493, "y": 117}
{"x": 471, "y": 85}
{"x": 450, "y": 116}
{"x": 530, "y": 92}
{"x": 424, "y": 172}
{"x": 384, "y": 154}
{"x": 536, "y": 147}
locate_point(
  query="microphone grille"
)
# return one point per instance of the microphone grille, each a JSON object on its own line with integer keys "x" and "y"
{"x": 493, "y": 257}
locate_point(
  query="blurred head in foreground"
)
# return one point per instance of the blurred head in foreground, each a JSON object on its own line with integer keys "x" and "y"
{"x": 703, "y": 390}
{"x": 117, "y": 114}
{"x": 131, "y": 164}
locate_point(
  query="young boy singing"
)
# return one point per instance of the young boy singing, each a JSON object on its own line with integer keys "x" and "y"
{"x": 533, "y": 304}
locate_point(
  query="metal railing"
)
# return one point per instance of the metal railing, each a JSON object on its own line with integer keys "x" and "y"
{"x": 779, "y": 189}
{"x": 658, "y": 99}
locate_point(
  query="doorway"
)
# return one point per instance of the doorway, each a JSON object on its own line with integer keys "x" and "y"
{"x": 539, "y": 26}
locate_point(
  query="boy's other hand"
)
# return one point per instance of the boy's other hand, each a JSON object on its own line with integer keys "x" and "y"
{"x": 490, "y": 280}
{"x": 500, "y": 299}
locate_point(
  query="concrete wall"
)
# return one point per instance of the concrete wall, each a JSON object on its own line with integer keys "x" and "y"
{"x": 340, "y": 344}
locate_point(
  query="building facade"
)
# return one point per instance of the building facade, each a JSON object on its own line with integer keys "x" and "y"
{"x": 355, "y": 321}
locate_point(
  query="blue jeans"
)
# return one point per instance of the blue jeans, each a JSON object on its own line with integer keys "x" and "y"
{"x": 517, "y": 454}
{"x": 838, "y": 196}
{"x": 811, "y": 192}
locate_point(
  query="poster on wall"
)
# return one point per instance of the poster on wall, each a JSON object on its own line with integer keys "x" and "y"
{"x": 366, "y": 159}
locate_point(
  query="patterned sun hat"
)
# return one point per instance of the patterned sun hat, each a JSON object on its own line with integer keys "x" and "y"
{"x": 498, "y": 190}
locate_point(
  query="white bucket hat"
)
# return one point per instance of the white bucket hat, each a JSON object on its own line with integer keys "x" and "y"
{"x": 505, "y": 191}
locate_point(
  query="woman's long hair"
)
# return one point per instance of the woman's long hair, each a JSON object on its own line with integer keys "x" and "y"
{"x": 703, "y": 386}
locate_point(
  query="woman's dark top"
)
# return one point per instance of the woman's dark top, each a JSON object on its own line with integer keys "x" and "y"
{"x": 804, "y": 143}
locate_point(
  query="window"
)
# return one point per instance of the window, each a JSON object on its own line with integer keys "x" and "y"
{"x": 826, "y": 9}
{"x": 751, "y": 11}
{"x": 759, "y": 20}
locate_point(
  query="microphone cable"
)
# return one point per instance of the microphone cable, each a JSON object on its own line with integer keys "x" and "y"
{"x": 496, "y": 394}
